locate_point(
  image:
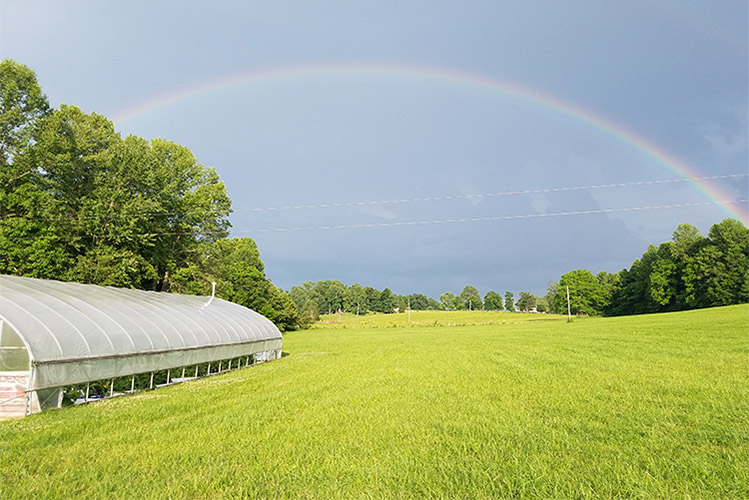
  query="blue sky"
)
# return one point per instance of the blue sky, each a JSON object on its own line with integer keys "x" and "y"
{"x": 373, "y": 102}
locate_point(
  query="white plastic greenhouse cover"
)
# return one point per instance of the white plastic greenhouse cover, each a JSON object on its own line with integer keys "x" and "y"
{"x": 76, "y": 333}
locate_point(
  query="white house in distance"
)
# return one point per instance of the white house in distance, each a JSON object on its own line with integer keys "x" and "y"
{"x": 55, "y": 334}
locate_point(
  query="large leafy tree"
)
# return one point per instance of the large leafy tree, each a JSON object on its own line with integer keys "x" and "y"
{"x": 356, "y": 299}
{"x": 527, "y": 302}
{"x": 26, "y": 243}
{"x": 471, "y": 298}
{"x": 587, "y": 296}
{"x": 330, "y": 295}
{"x": 22, "y": 103}
{"x": 718, "y": 274}
{"x": 509, "y": 302}
{"x": 418, "y": 302}
{"x": 449, "y": 301}
{"x": 493, "y": 301}
{"x": 386, "y": 303}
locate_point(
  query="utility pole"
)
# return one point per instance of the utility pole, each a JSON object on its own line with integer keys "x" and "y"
{"x": 569, "y": 311}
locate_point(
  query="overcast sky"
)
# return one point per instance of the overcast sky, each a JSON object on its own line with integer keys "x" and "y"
{"x": 344, "y": 108}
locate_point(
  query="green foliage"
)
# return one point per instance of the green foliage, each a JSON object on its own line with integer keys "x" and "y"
{"x": 22, "y": 103}
{"x": 386, "y": 303}
{"x": 418, "y": 302}
{"x": 587, "y": 295}
{"x": 470, "y": 298}
{"x": 638, "y": 407}
{"x": 690, "y": 272}
{"x": 493, "y": 301}
{"x": 527, "y": 302}
{"x": 509, "y": 302}
{"x": 449, "y": 301}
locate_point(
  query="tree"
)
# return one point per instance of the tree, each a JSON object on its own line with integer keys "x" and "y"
{"x": 418, "y": 302}
{"x": 527, "y": 302}
{"x": 718, "y": 274}
{"x": 554, "y": 300}
{"x": 386, "y": 302}
{"x": 331, "y": 295}
{"x": 448, "y": 300}
{"x": 471, "y": 298}
{"x": 356, "y": 299}
{"x": 543, "y": 305}
{"x": 303, "y": 298}
{"x": 633, "y": 295}
{"x": 493, "y": 301}
{"x": 373, "y": 296}
{"x": 586, "y": 293}
{"x": 509, "y": 302}
{"x": 22, "y": 103}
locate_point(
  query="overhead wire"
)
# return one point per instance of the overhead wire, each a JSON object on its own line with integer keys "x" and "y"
{"x": 423, "y": 199}
{"x": 491, "y": 195}
{"x": 493, "y": 218}
{"x": 572, "y": 213}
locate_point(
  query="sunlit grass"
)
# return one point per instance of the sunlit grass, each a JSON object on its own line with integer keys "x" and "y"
{"x": 638, "y": 407}
{"x": 428, "y": 318}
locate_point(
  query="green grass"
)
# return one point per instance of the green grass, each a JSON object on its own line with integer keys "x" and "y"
{"x": 636, "y": 407}
{"x": 428, "y": 318}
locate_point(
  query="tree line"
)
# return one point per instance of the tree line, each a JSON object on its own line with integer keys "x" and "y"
{"x": 690, "y": 272}
{"x": 80, "y": 203}
{"x": 332, "y": 296}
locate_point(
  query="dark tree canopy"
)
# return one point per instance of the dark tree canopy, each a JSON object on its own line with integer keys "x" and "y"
{"x": 689, "y": 272}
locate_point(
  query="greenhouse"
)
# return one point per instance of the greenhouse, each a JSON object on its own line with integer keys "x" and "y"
{"x": 56, "y": 335}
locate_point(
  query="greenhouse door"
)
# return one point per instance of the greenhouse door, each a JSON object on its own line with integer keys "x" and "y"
{"x": 13, "y": 387}
{"x": 14, "y": 373}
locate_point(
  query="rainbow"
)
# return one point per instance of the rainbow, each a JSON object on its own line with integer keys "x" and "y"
{"x": 471, "y": 80}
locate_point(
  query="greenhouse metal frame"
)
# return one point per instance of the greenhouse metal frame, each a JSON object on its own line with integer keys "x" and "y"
{"x": 55, "y": 335}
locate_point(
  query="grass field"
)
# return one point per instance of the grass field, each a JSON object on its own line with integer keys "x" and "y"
{"x": 514, "y": 406}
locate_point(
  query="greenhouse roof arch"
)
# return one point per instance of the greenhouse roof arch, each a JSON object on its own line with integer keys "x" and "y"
{"x": 75, "y": 333}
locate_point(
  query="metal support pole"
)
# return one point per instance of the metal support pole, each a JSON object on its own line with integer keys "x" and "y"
{"x": 150, "y": 385}
{"x": 132, "y": 384}
{"x": 183, "y": 371}
{"x": 209, "y": 369}
{"x": 219, "y": 366}
{"x": 111, "y": 388}
{"x": 88, "y": 386}
{"x": 196, "y": 371}
{"x": 168, "y": 373}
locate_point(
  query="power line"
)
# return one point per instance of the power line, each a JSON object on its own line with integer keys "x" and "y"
{"x": 415, "y": 223}
{"x": 489, "y": 195}
{"x": 406, "y": 200}
{"x": 492, "y": 218}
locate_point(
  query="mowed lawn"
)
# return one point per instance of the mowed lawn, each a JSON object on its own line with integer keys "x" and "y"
{"x": 526, "y": 406}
